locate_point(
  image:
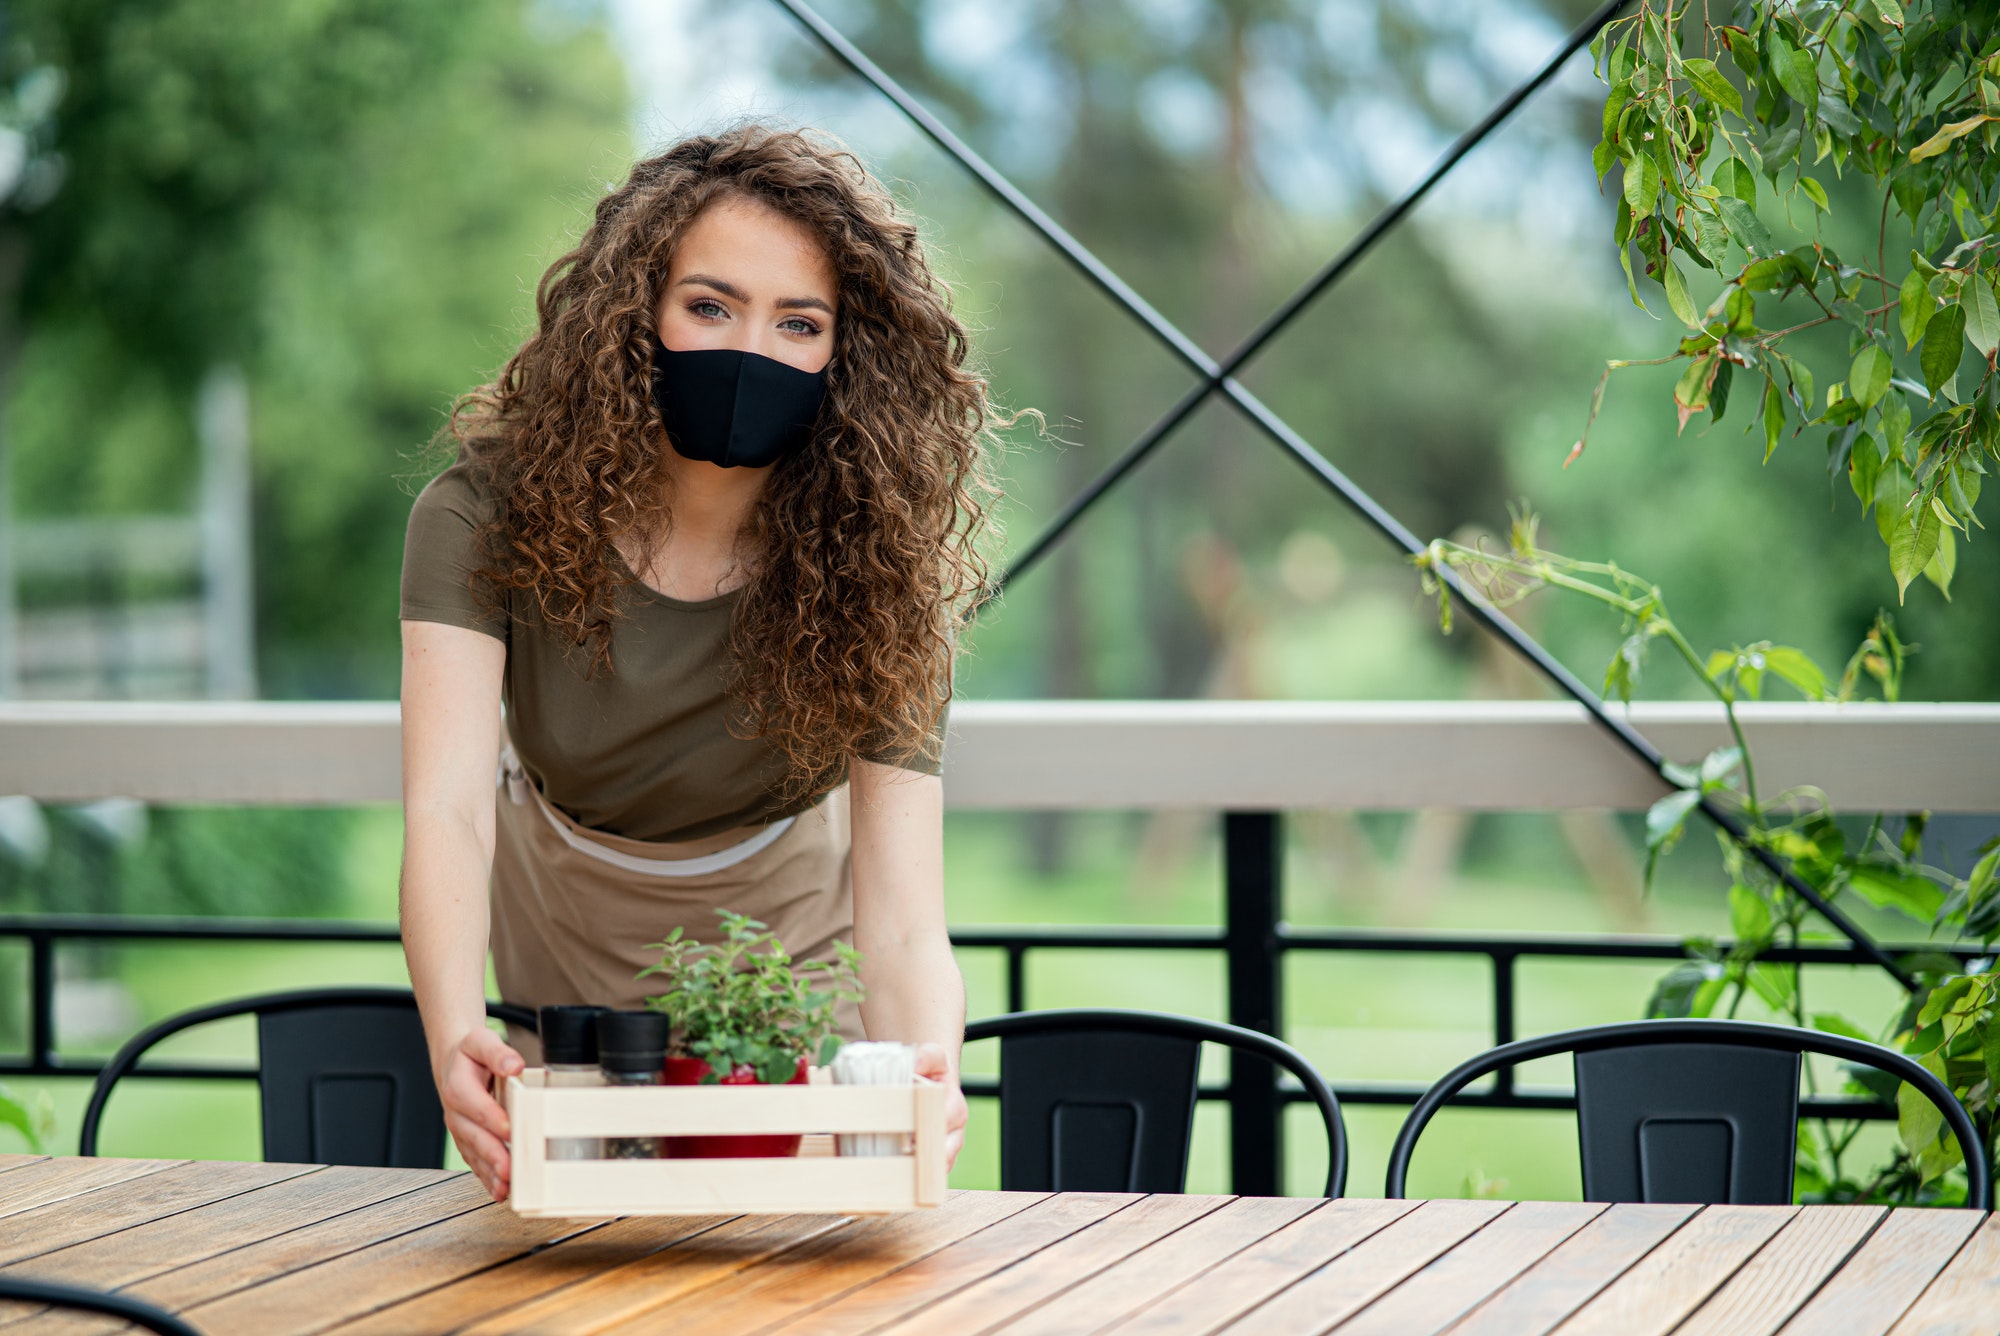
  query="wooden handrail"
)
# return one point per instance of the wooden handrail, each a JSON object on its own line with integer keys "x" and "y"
{"x": 1022, "y": 755}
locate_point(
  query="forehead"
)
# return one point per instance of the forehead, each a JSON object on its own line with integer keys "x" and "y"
{"x": 751, "y": 244}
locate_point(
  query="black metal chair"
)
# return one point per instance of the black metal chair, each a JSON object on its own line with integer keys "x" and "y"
{"x": 1103, "y": 1100}
{"x": 344, "y": 1075}
{"x": 95, "y": 1301}
{"x": 1690, "y": 1110}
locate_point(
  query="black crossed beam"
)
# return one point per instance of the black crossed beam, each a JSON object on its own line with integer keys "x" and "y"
{"x": 1215, "y": 377}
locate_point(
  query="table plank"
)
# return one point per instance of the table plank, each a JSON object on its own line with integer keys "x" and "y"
{"x": 1885, "y": 1276}
{"x": 1182, "y": 1256}
{"x": 139, "y": 1253}
{"x": 788, "y": 1289}
{"x": 1457, "y": 1282}
{"x": 323, "y": 1294}
{"x": 1965, "y": 1297}
{"x": 635, "y": 1288}
{"x": 1352, "y": 1281}
{"x": 1574, "y": 1273}
{"x": 109, "y": 1210}
{"x": 1671, "y": 1280}
{"x": 538, "y": 1274}
{"x": 1226, "y": 1292}
{"x": 444, "y": 1197}
{"x": 48, "y": 1181}
{"x": 1785, "y": 1272}
{"x": 20, "y": 1159}
{"x": 990, "y": 1303}
{"x": 966, "y": 1262}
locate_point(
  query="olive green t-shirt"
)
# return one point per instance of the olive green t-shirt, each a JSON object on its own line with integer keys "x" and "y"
{"x": 643, "y": 751}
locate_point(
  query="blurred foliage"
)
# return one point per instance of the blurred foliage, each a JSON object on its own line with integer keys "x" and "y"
{"x": 121, "y": 857}
{"x": 350, "y": 198}
{"x": 1908, "y": 100}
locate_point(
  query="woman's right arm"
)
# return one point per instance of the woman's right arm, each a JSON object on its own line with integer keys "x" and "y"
{"x": 451, "y": 748}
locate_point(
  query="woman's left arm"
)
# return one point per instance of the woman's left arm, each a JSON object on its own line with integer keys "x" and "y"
{"x": 915, "y": 992}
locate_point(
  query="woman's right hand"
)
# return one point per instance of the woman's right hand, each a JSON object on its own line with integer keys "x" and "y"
{"x": 476, "y": 1121}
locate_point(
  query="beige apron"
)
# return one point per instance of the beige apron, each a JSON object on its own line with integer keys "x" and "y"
{"x": 573, "y": 908}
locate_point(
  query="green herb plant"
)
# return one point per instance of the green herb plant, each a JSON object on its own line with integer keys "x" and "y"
{"x": 1723, "y": 117}
{"x": 743, "y": 1002}
{"x": 1950, "y": 1024}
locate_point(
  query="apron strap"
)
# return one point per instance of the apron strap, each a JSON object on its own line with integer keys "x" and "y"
{"x": 523, "y": 792}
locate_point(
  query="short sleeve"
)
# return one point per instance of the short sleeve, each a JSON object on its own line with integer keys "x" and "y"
{"x": 441, "y": 555}
{"x": 928, "y": 761}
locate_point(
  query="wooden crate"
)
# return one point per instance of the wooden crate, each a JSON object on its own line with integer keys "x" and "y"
{"x": 811, "y": 1182}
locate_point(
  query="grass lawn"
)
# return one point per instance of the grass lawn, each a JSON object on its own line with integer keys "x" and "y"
{"x": 1360, "y": 1017}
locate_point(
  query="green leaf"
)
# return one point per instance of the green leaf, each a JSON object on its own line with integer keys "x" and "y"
{"x": 1815, "y": 192}
{"x": 1733, "y": 177}
{"x": 1890, "y": 11}
{"x": 1665, "y": 820}
{"x": 1914, "y": 307}
{"x": 1773, "y": 983}
{"x": 17, "y": 1115}
{"x": 1832, "y": 1022}
{"x": 1796, "y": 666}
{"x": 1905, "y": 892}
{"x": 1912, "y": 544}
{"x": 1642, "y": 184}
{"x": 1745, "y": 226}
{"x": 1774, "y": 417}
{"x": 1710, "y": 83}
{"x": 1718, "y": 765}
{"x": 1944, "y": 138}
{"x": 1631, "y": 284}
{"x": 1677, "y": 294}
{"x": 1688, "y": 989}
{"x": 1797, "y": 73}
{"x": 1944, "y": 345}
{"x": 1918, "y": 1123}
{"x": 1749, "y": 916}
{"x": 1868, "y": 378}
{"x": 1982, "y": 319}
{"x": 1864, "y": 468}
{"x": 1943, "y": 563}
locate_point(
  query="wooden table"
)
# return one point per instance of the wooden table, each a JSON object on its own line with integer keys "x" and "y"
{"x": 271, "y": 1248}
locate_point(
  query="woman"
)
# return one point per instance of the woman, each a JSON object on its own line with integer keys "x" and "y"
{"x": 707, "y": 537}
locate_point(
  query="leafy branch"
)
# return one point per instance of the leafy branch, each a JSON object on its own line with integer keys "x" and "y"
{"x": 1951, "y": 1024}
{"x": 1907, "y": 98}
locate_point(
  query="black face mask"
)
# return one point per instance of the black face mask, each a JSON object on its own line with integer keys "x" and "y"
{"x": 735, "y": 409}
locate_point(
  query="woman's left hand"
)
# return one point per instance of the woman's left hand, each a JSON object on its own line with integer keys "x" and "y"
{"x": 932, "y": 1063}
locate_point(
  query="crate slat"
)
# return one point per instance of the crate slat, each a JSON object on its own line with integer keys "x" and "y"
{"x": 821, "y": 1182}
{"x": 831, "y": 1184}
{"x": 722, "y": 1110}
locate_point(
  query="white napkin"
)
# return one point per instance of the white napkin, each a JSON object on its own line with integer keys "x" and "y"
{"x": 877, "y": 1065}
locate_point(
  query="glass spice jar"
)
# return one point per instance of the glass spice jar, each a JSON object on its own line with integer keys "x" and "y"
{"x": 632, "y": 1051}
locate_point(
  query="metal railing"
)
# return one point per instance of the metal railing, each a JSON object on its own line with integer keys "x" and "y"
{"x": 1253, "y": 941}
{"x": 1246, "y": 759}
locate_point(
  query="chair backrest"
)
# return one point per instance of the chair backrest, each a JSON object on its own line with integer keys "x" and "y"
{"x": 1688, "y": 1123}
{"x": 135, "y": 1311}
{"x": 1103, "y": 1100}
{"x": 1690, "y": 1110}
{"x": 344, "y": 1075}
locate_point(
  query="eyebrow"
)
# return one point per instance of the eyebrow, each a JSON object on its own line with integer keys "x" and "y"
{"x": 734, "y": 293}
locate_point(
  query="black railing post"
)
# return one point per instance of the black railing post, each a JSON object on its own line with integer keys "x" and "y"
{"x": 1252, "y": 859}
{"x": 41, "y": 1001}
{"x": 1503, "y": 1016}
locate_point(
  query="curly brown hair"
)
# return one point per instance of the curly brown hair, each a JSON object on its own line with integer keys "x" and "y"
{"x": 865, "y": 543}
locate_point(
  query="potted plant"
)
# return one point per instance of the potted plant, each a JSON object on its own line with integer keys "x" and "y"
{"x": 744, "y": 1013}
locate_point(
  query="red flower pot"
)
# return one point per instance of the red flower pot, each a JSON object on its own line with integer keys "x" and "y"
{"x": 689, "y": 1071}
